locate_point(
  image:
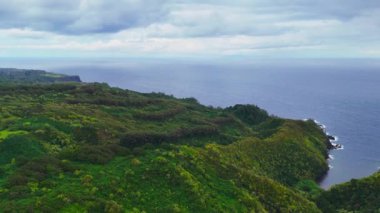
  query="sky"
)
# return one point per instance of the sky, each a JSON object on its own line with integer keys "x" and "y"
{"x": 190, "y": 29}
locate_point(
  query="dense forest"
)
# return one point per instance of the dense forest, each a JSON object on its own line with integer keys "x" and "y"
{"x": 87, "y": 147}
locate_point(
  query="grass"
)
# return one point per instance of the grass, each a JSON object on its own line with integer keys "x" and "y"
{"x": 6, "y": 133}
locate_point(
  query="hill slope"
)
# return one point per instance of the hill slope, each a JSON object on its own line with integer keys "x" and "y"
{"x": 77, "y": 147}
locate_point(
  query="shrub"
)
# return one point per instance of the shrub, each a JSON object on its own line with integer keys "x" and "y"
{"x": 38, "y": 170}
{"x": 140, "y": 138}
{"x": 21, "y": 147}
{"x": 86, "y": 180}
{"x": 135, "y": 162}
{"x": 17, "y": 179}
{"x": 87, "y": 134}
{"x": 160, "y": 115}
{"x": 249, "y": 114}
{"x": 97, "y": 154}
{"x": 136, "y": 139}
{"x": 113, "y": 207}
{"x": 93, "y": 154}
{"x": 18, "y": 192}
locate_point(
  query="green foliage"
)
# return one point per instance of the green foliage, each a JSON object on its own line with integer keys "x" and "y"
{"x": 97, "y": 154}
{"x": 6, "y": 133}
{"x": 19, "y": 146}
{"x": 135, "y": 139}
{"x": 355, "y": 196}
{"x": 86, "y": 134}
{"x": 270, "y": 156}
{"x": 92, "y": 148}
{"x": 311, "y": 189}
{"x": 37, "y": 170}
{"x": 160, "y": 115}
{"x": 249, "y": 114}
{"x": 269, "y": 127}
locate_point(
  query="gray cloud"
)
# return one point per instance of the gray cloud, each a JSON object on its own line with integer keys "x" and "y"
{"x": 222, "y": 17}
{"x": 340, "y": 9}
{"x": 80, "y": 17}
{"x": 318, "y": 27}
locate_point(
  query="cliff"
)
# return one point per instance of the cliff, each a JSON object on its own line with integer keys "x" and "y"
{"x": 9, "y": 75}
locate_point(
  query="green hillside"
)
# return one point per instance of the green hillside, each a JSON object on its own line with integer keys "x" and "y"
{"x": 76, "y": 147}
{"x": 87, "y": 146}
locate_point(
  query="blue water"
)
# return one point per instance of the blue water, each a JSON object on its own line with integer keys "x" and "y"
{"x": 342, "y": 94}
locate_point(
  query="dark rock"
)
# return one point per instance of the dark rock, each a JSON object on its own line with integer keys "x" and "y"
{"x": 329, "y": 144}
{"x": 331, "y": 137}
{"x": 337, "y": 146}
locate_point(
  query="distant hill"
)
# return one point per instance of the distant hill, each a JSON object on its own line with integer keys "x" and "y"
{"x": 10, "y": 75}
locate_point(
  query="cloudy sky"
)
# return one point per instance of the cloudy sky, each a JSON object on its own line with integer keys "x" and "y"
{"x": 198, "y": 28}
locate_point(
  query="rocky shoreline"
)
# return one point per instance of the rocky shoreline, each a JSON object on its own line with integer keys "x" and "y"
{"x": 330, "y": 139}
{"x": 332, "y": 144}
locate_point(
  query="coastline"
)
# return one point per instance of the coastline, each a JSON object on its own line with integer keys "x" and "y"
{"x": 331, "y": 141}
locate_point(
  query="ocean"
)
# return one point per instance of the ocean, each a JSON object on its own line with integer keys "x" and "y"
{"x": 342, "y": 94}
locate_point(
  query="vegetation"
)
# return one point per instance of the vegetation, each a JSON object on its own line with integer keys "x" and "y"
{"x": 355, "y": 196}
{"x": 75, "y": 147}
{"x": 8, "y": 75}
